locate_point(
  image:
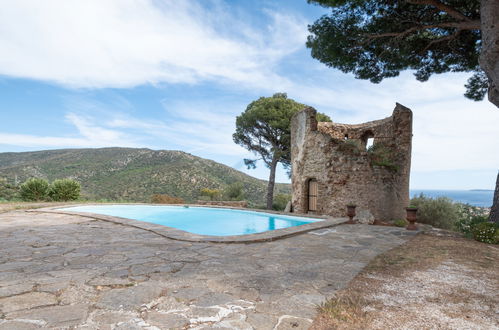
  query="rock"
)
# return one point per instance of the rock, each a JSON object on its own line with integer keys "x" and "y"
{"x": 167, "y": 320}
{"x": 364, "y": 216}
{"x": 167, "y": 304}
{"x": 188, "y": 294}
{"x": 295, "y": 323}
{"x": 261, "y": 321}
{"x": 12, "y": 290}
{"x": 26, "y": 301}
{"x": 16, "y": 325}
{"x": 55, "y": 316}
{"x": 108, "y": 281}
{"x": 213, "y": 299}
{"x": 129, "y": 298}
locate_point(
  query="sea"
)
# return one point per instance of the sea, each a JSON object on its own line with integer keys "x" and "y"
{"x": 478, "y": 197}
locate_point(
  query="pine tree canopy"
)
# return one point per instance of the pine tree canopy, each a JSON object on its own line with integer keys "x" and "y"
{"x": 376, "y": 39}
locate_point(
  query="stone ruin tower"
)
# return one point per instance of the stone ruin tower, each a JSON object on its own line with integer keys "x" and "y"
{"x": 333, "y": 165}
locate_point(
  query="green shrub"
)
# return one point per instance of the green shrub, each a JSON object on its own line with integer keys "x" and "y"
{"x": 64, "y": 190}
{"x": 439, "y": 212}
{"x": 166, "y": 199}
{"x": 382, "y": 155}
{"x": 486, "y": 232}
{"x": 212, "y": 194}
{"x": 280, "y": 201}
{"x": 400, "y": 223}
{"x": 35, "y": 189}
{"x": 470, "y": 216}
{"x": 8, "y": 191}
{"x": 234, "y": 192}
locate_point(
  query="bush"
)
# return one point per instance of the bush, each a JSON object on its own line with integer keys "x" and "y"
{"x": 35, "y": 189}
{"x": 280, "y": 201}
{"x": 166, "y": 199}
{"x": 212, "y": 194}
{"x": 382, "y": 155}
{"x": 234, "y": 192}
{"x": 64, "y": 190}
{"x": 400, "y": 223}
{"x": 440, "y": 212}
{"x": 486, "y": 232}
{"x": 8, "y": 191}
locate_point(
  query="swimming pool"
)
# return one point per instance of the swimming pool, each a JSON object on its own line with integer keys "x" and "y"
{"x": 200, "y": 220}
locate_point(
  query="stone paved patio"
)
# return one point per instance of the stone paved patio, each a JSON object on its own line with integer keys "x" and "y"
{"x": 65, "y": 271}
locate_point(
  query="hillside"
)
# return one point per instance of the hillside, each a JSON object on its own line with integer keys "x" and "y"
{"x": 131, "y": 174}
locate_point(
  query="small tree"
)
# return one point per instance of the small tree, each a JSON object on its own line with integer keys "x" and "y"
{"x": 35, "y": 189}
{"x": 264, "y": 129}
{"x": 7, "y": 190}
{"x": 64, "y": 190}
{"x": 211, "y": 193}
{"x": 234, "y": 191}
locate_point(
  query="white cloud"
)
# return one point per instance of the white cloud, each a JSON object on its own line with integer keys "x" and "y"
{"x": 91, "y": 135}
{"x": 123, "y": 43}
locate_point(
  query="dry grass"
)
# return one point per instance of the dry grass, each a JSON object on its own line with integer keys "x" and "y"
{"x": 429, "y": 282}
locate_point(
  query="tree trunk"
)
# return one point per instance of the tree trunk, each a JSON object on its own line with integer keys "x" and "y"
{"x": 270, "y": 188}
{"x": 494, "y": 211}
{"x": 489, "y": 56}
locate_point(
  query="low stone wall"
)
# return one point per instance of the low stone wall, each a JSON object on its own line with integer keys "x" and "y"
{"x": 224, "y": 203}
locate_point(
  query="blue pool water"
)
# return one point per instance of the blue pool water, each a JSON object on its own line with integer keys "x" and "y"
{"x": 199, "y": 220}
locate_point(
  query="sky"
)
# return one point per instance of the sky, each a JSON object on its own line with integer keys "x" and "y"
{"x": 174, "y": 75}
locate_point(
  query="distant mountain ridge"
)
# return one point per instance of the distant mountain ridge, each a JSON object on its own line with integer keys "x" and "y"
{"x": 132, "y": 174}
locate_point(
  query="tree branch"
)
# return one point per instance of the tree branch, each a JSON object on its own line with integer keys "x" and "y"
{"x": 470, "y": 25}
{"x": 441, "y": 39}
{"x": 443, "y": 7}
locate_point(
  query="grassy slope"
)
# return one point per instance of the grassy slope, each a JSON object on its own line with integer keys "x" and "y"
{"x": 131, "y": 174}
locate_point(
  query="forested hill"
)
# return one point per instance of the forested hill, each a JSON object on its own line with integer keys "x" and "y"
{"x": 131, "y": 174}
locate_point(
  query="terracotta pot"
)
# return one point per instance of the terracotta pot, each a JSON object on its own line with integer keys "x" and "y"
{"x": 351, "y": 213}
{"x": 411, "y": 217}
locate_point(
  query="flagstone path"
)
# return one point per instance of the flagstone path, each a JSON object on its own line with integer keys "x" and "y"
{"x": 65, "y": 271}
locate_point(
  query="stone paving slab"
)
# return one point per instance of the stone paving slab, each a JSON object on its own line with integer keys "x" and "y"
{"x": 64, "y": 271}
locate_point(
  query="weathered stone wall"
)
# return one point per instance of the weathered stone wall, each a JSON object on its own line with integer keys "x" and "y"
{"x": 376, "y": 180}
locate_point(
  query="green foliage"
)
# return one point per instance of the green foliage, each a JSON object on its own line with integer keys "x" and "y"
{"x": 377, "y": 39}
{"x": 280, "y": 201}
{"x": 35, "y": 189}
{"x": 8, "y": 191}
{"x": 486, "y": 232}
{"x": 400, "y": 223}
{"x": 133, "y": 175}
{"x": 351, "y": 145}
{"x": 234, "y": 191}
{"x": 439, "y": 212}
{"x": 469, "y": 217}
{"x": 381, "y": 155}
{"x": 213, "y": 194}
{"x": 64, "y": 190}
{"x": 166, "y": 199}
{"x": 264, "y": 128}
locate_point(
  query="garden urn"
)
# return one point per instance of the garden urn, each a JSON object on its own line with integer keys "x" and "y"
{"x": 411, "y": 217}
{"x": 351, "y": 213}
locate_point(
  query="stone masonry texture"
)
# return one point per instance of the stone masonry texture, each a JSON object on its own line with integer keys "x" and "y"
{"x": 376, "y": 179}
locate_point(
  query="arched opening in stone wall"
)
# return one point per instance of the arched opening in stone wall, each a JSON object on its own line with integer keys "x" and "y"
{"x": 367, "y": 139}
{"x": 312, "y": 195}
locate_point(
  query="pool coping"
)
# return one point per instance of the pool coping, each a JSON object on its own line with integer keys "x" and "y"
{"x": 181, "y": 235}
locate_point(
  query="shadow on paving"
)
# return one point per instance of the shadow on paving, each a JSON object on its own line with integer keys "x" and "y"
{"x": 64, "y": 271}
